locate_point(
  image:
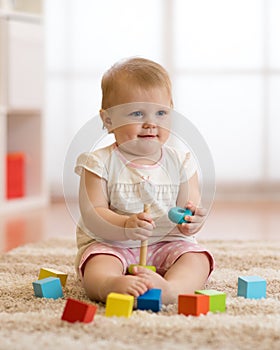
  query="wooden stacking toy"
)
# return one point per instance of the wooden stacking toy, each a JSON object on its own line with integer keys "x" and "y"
{"x": 177, "y": 214}
{"x": 143, "y": 251}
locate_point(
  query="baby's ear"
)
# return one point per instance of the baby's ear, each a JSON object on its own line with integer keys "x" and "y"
{"x": 106, "y": 119}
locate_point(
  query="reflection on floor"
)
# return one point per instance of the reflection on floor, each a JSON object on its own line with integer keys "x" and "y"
{"x": 227, "y": 220}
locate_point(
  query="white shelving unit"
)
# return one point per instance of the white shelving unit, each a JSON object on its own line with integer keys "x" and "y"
{"x": 22, "y": 106}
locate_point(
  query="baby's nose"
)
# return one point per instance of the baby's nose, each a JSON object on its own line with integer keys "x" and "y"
{"x": 147, "y": 125}
{"x": 150, "y": 121}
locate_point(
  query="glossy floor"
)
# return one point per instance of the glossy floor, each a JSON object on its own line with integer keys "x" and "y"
{"x": 227, "y": 220}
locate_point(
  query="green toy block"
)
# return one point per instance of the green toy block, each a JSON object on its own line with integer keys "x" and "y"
{"x": 150, "y": 267}
{"x": 120, "y": 305}
{"x": 217, "y": 299}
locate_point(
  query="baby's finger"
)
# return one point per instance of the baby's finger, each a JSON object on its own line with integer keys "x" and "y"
{"x": 146, "y": 225}
{"x": 191, "y": 206}
{"x": 137, "y": 234}
{"x": 145, "y": 216}
{"x": 193, "y": 219}
{"x": 143, "y": 233}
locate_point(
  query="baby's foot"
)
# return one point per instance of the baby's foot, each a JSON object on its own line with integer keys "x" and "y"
{"x": 128, "y": 284}
{"x": 169, "y": 296}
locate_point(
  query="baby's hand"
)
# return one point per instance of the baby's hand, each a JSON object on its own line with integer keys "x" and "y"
{"x": 194, "y": 222}
{"x": 139, "y": 226}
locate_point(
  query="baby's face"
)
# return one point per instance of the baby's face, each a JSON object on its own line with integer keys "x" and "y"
{"x": 141, "y": 120}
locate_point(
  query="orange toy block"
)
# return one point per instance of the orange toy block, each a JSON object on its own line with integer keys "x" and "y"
{"x": 78, "y": 311}
{"x": 44, "y": 273}
{"x": 193, "y": 304}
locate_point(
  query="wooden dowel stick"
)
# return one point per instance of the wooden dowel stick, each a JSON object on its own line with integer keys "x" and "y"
{"x": 144, "y": 244}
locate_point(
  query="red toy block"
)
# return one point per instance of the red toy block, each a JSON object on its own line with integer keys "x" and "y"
{"x": 78, "y": 311}
{"x": 193, "y": 304}
{"x": 15, "y": 179}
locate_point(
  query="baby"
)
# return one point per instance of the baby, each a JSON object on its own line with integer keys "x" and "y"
{"x": 138, "y": 168}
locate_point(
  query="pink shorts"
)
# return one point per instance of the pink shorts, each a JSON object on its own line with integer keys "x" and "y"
{"x": 162, "y": 255}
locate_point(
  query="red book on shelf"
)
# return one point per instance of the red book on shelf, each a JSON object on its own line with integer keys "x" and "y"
{"x": 15, "y": 170}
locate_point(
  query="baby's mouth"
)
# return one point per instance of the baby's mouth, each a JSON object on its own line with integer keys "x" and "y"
{"x": 147, "y": 136}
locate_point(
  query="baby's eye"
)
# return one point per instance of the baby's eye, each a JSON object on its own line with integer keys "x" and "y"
{"x": 161, "y": 113}
{"x": 136, "y": 114}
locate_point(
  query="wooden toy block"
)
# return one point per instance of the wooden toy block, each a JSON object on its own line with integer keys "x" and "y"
{"x": 251, "y": 287}
{"x": 217, "y": 301}
{"x": 177, "y": 214}
{"x": 193, "y": 304}
{"x": 46, "y": 272}
{"x": 120, "y": 305}
{"x": 48, "y": 288}
{"x": 78, "y": 311}
{"x": 151, "y": 300}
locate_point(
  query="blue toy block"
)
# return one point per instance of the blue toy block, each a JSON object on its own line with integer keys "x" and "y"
{"x": 48, "y": 288}
{"x": 177, "y": 214}
{"x": 151, "y": 300}
{"x": 251, "y": 287}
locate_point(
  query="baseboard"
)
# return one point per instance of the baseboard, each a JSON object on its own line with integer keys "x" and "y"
{"x": 248, "y": 192}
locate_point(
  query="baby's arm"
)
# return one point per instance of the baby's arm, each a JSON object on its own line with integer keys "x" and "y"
{"x": 100, "y": 219}
{"x": 189, "y": 197}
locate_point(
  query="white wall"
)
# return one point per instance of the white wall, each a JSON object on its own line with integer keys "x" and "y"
{"x": 223, "y": 57}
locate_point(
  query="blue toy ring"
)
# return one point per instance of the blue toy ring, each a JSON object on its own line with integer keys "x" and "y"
{"x": 177, "y": 214}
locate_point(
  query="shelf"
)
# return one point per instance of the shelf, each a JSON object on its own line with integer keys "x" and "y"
{"x": 24, "y": 135}
{"x": 22, "y": 108}
{"x": 23, "y": 112}
{"x": 22, "y": 204}
{"x": 22, "y": 16}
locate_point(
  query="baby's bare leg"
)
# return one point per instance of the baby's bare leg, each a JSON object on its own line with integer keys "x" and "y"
{"x": 103, "y": 274}
{"x": 188, "y": 274}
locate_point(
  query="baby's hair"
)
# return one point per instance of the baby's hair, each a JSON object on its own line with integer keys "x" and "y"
{"x": 142, "y": 72}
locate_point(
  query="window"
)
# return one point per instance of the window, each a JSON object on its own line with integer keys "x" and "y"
{"x": 223, "y": 58}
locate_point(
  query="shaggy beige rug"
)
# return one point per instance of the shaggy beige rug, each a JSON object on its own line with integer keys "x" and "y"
{"x": 31, "y": 323}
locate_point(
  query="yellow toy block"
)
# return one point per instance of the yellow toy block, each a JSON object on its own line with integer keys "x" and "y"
{"x": 45, "y": 273}
{"x": 120, "y": 305}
